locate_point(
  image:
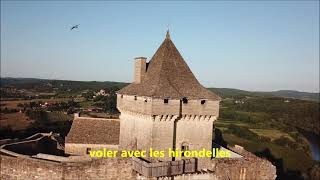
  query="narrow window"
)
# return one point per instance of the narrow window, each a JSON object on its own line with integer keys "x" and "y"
{"x": 185, "y": 101}
{"x": 88, "y": 150}
{"x": 184, "y": 147}
{"x": 203, "y": 101}
{"x": 135, "y": 98}
{"x": 166, "y": 101}
{"x": 121, "y": 96}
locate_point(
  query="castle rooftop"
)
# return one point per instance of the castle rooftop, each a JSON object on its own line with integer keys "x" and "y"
{"x": 94, "y": 131}
{"x": 168, "y": 76}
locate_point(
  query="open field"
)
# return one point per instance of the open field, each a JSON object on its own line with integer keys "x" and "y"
{"x": 19, "y": 121}
{"x": 288, "y": 148}
{"x": 272, "y": 133}
{"x": 227, "y": 122}
{"x": 13, "y": 104}
{"x": 266, "y": 132}
{"x": 86, "y": 104}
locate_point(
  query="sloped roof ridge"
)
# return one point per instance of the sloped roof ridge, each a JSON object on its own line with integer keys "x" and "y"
{"x": 169, "y": 76}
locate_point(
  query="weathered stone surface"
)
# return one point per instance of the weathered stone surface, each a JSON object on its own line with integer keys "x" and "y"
{"x": 249, "y": 167}
{"x": 27, "y": 168}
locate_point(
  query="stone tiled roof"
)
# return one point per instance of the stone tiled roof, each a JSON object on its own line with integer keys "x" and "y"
{"x": 168, "y": 76}
{"x": 94, "y": 131}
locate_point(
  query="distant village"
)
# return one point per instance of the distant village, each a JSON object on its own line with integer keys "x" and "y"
{"x": 48, "y": 101}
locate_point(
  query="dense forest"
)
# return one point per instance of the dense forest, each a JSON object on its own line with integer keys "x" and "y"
{"x": 292, "y": 113}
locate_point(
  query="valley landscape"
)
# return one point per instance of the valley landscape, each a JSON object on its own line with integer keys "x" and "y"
{"x": 270, "y": 124}
{"x": 180, "y": 90}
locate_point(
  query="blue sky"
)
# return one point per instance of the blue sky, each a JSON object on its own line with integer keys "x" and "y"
{"x": 250, "y": 45}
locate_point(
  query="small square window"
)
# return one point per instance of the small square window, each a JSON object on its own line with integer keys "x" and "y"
{"x": 166, "y": 101}
{"x": 203, "y": 101}
{"x": 135, "y": 98}
{"x": 185, "y": 101}
{"x": 145, "y": 100}
{"x": 185, "y": 148}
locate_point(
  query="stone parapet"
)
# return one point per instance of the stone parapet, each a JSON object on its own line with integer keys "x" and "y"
{"x": 154, "y": 106}
{"x": 163, "y": 169}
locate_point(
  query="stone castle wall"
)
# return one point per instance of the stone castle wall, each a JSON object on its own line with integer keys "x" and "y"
{"x": 138, "y": 131}
{"x": 135, "y": 131}
{"x": 163, "y": 133}
{"x": 149, "y": 123}
{"x": 27, "y": 168}
{"x": 81, "y": 149}
{"x": 153, "y": 106}
{"x": 249, "y": 167}
{"x": 196, "y": 133}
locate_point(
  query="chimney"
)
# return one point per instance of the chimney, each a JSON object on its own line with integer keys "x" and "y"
{"x": 140, "y": 68}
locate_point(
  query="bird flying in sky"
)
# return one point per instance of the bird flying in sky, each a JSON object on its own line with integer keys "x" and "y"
{"x": 74, "y": 27}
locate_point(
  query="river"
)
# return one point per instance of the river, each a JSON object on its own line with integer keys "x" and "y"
{"x": 314, "y": 141}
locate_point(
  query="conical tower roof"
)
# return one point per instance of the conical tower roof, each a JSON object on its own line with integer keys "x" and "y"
{"x": 168, "y": 76}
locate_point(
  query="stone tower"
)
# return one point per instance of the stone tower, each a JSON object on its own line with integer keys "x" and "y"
{"x": 166, "y": 107}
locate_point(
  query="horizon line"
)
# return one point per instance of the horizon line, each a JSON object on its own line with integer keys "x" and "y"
{"x": 131, "y": 82}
